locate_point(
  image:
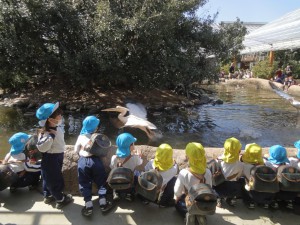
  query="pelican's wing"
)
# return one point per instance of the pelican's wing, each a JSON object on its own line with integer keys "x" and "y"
{"x": 137, "y": 109}
{"x": 134, "y": 121}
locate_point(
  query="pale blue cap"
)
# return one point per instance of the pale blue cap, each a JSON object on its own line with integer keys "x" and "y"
{"x": 123, "y": 142}
{"x": 89, "y": 125}
{"x": 297, "y": 145}
{"x": 17, "y": 142}
{"x": 278, "y": 155}
{"x": 45, "y": 111}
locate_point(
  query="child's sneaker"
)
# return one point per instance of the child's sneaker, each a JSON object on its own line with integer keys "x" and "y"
{"x": 87, "y": 211}
{"x": 201, "y": 220}
{"x": 250, "y": 205}
{"x": 231, "y": 201}
{"x": 129, "y": 197}
{"x": 274, "y": 205}
{"x": 289, "y": 204}
{"x": 219, "y": 203}
{"x": 266, "y": 206}
{"x": 49, "y": 199}
{"x": 116, "y": 196}
{"x": 66, "y": 200}
{"x": 105, "y": 205}
{"x": 12, "y": 189}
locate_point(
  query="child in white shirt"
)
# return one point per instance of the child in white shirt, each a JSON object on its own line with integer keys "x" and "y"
{"x": 167, "y": 167}
{"x": 125, "y": 144}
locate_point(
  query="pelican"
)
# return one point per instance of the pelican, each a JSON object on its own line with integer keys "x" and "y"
{"x": 134, "y": 115}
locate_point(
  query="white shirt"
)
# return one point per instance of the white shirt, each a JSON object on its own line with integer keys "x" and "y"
{"x": 46, "y": 143}
{"x": 247, "y": 169}
{"x": 82, "y": 140}
{"x": 273, "y": 166}
{"x": 295, "y": 162}
{"x": 166, "y": 175}
{"x": 15, "y": 166}
{"x": 229, "y": 169}
{"x": 186, "y": 180}
{"x": 133, "y": 162}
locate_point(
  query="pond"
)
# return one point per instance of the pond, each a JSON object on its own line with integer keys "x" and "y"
{"x": 248, "y": 114}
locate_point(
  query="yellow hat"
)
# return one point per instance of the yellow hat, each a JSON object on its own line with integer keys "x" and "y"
{"x": 253, "y": 154}
{"x": 232, "y": 147}
{"x": 197, "y": 159}
{"x": 163, "y": 157}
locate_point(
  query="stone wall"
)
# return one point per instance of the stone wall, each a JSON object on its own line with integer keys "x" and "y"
{"x": 263, "y": 84}
{"x": 148, "y": 152}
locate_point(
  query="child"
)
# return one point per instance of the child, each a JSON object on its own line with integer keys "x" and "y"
{"x": 90, "y": 168}
{"x": 167, "y": 167}
{"x": 52, "y": 145}
{"x": 251, "y": 157}
{"x": 232, "y": 169}
{"x": 295, "y": 161}
{"x": 190, "y": 176}
{"x": 16, "y": 158}
{"x": 278, "y": 157}
{"x": 125, "y": 144}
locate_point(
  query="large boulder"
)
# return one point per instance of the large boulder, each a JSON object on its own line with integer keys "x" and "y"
{"x": 148, "y": 152}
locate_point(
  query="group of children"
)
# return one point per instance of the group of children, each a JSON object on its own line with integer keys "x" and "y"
{"x": 236, "y": 166}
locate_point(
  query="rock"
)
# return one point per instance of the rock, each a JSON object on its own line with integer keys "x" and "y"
{"x": 21, "y": 102}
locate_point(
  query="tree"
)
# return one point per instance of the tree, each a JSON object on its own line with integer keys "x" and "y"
{"x": 133, "y": 43}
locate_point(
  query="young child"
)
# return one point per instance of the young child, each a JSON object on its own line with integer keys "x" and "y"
{"x": 16, "y": 158}
{"x": 125, "y": 144}
{"x": 90, "y": 168}
{"x": 251, "y": 157}
{"x": 190, "y": 176}
{"x": 278, "y": 157}
{"x": 52, "y": 145}
{"x": 232, "y": 169}
{"x": 295, "y": 161}
{"x": 167, "y": 167}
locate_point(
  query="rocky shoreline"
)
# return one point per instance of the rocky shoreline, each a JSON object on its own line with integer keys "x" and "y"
{"x": 92, "y": 103}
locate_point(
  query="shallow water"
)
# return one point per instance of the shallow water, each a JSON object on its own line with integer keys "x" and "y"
{"x": 249, "y": 115}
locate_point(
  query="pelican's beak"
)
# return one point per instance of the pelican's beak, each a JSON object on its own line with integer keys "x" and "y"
{"x": 113, "y": 110}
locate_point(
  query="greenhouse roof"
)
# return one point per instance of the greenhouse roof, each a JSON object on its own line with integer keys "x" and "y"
{"x": 280, "y": 34}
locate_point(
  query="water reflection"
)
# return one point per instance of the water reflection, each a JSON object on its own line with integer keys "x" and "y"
{"x": 249, "y": 115}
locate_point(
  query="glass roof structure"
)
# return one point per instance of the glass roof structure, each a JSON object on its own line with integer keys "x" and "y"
{"x": 280, "y": 34}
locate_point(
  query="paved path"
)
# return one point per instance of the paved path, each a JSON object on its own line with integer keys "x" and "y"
{"x": 27, "y": 208}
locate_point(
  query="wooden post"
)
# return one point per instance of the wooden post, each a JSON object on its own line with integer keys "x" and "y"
{"x": 271, "y": 58}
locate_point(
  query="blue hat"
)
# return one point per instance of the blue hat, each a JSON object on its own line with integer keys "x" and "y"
{"x": 297, "y": 145}
{"x": 45, "y": 111}
{"x": 89, "y": 125}
{"x": 123, "y": 142}
{"x": 17, "y": 142}
{"x": 278, "y": 155}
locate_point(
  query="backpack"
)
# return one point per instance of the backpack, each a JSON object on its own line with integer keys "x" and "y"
{"x": 98, "y": 145}
{"x": 7, "y": 177}
{"x": 289, "y": 178}
{"x": 216, "y": 171}
{"x": 31, "y": 151}
{"x": 201, "y": 199}
{"x": 149, "y": 185}
{"x": 121, "y": 178}
{"x": 263, "y": 179}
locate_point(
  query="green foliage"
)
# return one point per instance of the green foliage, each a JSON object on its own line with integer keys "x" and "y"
{"x": 263, "y": 69}
{"x": 100, "y": 42}
{"x": 230, "y": 37}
